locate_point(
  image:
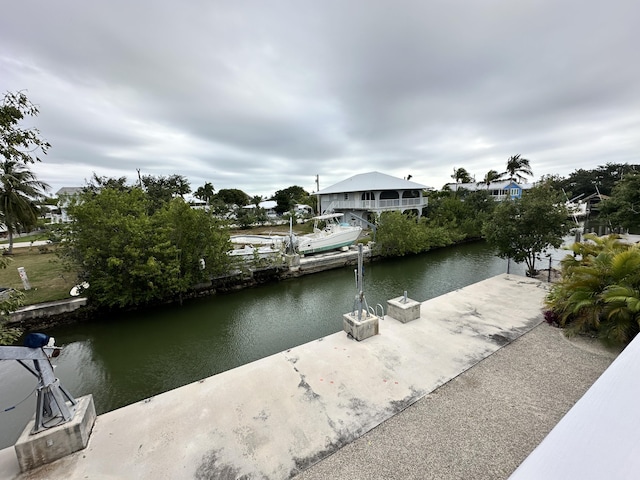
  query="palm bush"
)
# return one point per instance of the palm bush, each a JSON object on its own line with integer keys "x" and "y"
{"x": 600, "y": 290}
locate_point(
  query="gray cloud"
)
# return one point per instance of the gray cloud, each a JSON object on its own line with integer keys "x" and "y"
{"x": 264, "y": 95}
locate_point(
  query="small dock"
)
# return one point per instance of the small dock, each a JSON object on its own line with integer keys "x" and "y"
{"x": 274, "y": 418}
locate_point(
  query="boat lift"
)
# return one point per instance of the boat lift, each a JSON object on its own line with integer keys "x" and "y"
{"x": 363, "y": 321}
{"x": 361, "y": 309}
{"x": 54, "y": 404}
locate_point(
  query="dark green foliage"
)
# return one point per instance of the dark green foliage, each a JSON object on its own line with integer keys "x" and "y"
{"x": 98, "y": 183}
{"x": 400, "y": 235}
{"x": 604, "y": 178}
{"x": 161, "y": 190}
{"x": 287, "y": 198}
{"x": 523, "y": 228}
{"x": 132, "y": 257}
{"x": 555, "y": 182}
{"x": 233, "y": 196}
{"x": 260, "y": 215}
{"x": 20, "y": 190}
{"x": 245, "y": 217}
{"x": 205, "y": 192}
{"x": 463, "y": 215}
{"x": 600, "y": 290}
{"x": 196, "y": 235}
{"x": 18, "y": 144}
{"x": 10, "y": 300}
{"x": 623, "y": 207}
{"x": 447, "y": 220}
{"x": 310, "y": 200}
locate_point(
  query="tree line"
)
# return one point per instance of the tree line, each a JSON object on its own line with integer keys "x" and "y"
{"x": 519, "y": 229}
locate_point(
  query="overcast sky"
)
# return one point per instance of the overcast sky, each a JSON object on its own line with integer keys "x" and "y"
{"x": 261, "y": 95}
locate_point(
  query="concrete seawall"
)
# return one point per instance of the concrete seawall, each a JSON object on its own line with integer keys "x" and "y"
{"x": 43, "y": 310}
{"x": 34, "y": 315}
{"x": 273, "y": 418}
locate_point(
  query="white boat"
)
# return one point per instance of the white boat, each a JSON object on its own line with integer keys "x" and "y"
{"x": 334, "y": 235}
{"x": 273, "y": 241}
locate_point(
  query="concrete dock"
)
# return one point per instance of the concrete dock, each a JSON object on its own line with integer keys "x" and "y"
{"x": 278, "y": 416}
{"x": 484, "y": 423}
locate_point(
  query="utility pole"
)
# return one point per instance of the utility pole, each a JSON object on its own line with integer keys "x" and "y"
{"x": 318, "y": 196}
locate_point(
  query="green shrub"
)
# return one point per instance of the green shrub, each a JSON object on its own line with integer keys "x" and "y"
{"x": 600, "y": 290}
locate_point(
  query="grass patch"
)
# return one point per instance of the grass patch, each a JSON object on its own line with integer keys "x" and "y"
{"x": 47, "y": 276}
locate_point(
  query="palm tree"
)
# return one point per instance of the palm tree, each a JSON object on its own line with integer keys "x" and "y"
{"x": 490, "y": 176}
{"x": 516, "y": 167}
{"x": 205, "y": 192}
{"x": 20, "y": 191}
{"x": 460, "y": 175}
{"x": 256, "y": 200}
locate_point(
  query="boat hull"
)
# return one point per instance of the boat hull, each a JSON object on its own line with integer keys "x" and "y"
{"x": 315, "y": 243}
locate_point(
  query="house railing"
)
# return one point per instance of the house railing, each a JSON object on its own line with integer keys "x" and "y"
{"x": 379, "y": 204}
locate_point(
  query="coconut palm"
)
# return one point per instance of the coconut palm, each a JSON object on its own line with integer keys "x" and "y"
{"x": 490, "y": 176}
{"x": 205, "y": 192}
{"x": 516, "y": 167}
{"x": 20, "y": 191}
{"x": 460, "y": 175}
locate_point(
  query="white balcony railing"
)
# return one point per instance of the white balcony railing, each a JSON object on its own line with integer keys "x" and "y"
{"x": 388, "y": 204}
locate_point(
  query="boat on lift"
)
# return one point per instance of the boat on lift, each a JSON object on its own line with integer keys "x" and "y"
{"x": 333, "y": 235}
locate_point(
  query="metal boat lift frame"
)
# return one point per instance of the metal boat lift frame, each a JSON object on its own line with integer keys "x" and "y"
{"x": 54, "y": 404}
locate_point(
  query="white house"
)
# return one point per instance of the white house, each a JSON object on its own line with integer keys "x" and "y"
{"x": 268, "y": 206}
{"x": 369, "y": 194}
{"x": 506, "y": 189}
{"x": 65, "y": 196}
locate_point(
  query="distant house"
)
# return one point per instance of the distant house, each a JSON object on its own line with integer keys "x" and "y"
{"x": 506, "y": 189}
{"x": 65, "y": 196}
{"x": 367, "y": 195}
{"x": 269, "y": 206}
{"x": 196, "y": 203}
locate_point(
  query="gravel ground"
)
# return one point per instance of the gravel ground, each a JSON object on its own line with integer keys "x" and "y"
{"x": 483, "y": 423}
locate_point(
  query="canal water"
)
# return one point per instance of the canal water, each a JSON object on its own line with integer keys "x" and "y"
{"x": 129, "y": 357}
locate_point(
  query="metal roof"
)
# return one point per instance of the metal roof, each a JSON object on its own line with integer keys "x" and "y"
{"x": 473, "y": 186}
{"x": 364, "y": 182}
{"x": 69, "y": 191}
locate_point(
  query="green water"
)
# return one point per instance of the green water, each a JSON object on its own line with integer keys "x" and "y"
{"x": 133, "y": 356}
